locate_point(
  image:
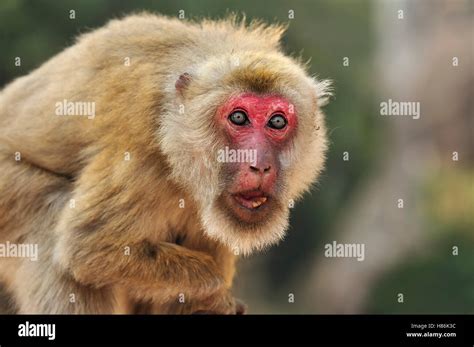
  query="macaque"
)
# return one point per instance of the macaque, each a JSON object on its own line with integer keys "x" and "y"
{"x": 109, "y": 164}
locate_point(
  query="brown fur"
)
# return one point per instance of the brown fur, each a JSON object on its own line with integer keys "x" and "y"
{"x": 135, "y": 203}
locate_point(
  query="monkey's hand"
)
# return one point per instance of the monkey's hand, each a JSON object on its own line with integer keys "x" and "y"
{"x": 220, "y": 303}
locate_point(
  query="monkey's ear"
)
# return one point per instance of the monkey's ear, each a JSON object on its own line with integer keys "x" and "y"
{"x": 324, "y": 91}
{"x": 182, "y": 82}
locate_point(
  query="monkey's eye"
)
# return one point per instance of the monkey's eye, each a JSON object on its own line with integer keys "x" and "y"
{"x": 278, "y": 121}
{"x": 239, "y": 118}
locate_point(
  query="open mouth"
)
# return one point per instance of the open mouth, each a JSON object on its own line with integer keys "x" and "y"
{"x": 251, "y": 200}
{"x": 250, "y": 206}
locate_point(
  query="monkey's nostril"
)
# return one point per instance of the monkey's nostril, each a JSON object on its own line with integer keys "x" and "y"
{"x": 254, "y": 168}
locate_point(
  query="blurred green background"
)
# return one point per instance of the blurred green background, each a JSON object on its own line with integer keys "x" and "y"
{"x": 354, "y": 200}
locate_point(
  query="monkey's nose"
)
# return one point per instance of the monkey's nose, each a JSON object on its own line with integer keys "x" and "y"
{"x": 260, "y": 169}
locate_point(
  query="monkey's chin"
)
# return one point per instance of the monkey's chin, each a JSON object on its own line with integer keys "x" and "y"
{"x": 245, "y": 230}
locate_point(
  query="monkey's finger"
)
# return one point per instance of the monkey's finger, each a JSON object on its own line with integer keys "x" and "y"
{"x": 240, "y": 307}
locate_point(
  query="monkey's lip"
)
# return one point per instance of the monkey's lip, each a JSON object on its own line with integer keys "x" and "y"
{"x": 251, "y": 199}
{"x": 248, "y": 207}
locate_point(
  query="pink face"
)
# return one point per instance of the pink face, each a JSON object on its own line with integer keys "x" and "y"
{"x": 261, "y": 126}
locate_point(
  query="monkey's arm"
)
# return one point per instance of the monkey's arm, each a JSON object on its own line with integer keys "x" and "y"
{"x": 101, "y": 240}
{"x": 162, "y": 268}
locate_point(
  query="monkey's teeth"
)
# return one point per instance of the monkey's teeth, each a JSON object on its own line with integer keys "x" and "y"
{"x": 259, "y": 202}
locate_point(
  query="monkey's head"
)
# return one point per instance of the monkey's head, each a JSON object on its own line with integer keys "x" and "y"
{"x": 244, "y": 134}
